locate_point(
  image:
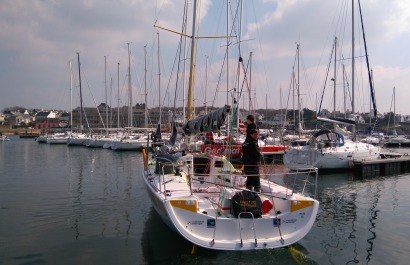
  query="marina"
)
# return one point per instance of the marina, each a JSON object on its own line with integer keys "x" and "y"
{"x": 72, "y": 205}
{"x": 216, "y": 145}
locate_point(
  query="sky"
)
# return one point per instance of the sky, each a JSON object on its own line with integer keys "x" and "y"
{"x": 39, "y": 38}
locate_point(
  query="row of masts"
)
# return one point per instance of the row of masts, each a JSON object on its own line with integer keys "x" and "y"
{"x": 190, "y": 97}
{"x": 189, "y": 109}
{"x": 130, "y": 124}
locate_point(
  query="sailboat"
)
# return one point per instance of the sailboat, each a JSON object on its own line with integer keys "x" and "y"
{"x": 130, "y": 141}
{"x": 203, "y": 197}
{"x": 328, "y": 149}
{"x": 396, "y": 140}
{"x": 4, "y": 138}
{"x": 77, "y": 138}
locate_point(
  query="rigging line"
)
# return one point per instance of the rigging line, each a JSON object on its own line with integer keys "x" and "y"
{"x": 158, "y": 10}
{"x": 388, "y": 121}
{"x": 170, "y": 79}
{"x": 368, "y": 66}
{"x": 309, "y": 83}
{"x": 261, "y": 49}
{"x": 178, "y": 55}
{"x": 161, "y": 103}
{"x": 225, "y": 57}
{"x": 347, "y": 86}
{"x": 220, "y": 76}
{"x": 292, "y": 79}
{"x": 95, "y": 103}
{"x": 219, "y": 80}
{"x": 85, "y": 115}
{"x": 325, "y": 42}
{"x": 245, "y": 80}
{"x": 179, "y": 51}
{"x": 247, "y": 67}
{"x": 290, "y": 88}
{"x": 327, "y": 74}
{"x": 344, "y": 29}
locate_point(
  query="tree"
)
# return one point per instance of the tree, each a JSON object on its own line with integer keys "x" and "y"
{"x": 15, "y": 108}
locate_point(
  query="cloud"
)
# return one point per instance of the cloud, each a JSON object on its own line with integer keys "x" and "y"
{"x": 37, "y": 38}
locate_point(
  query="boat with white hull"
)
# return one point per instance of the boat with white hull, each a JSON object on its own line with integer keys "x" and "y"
{"x": 57, "y": 138}
{"x": 42, "y": 139}
{"x": 328, "y": 150}
{"x": 201, "y": 204}
{"x": 96, "y": 141}
{"x": 77, "y": 139}
{"x": 131, "y": 143}
{"x": 4, "y": 138}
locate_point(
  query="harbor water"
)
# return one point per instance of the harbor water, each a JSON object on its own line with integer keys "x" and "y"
{"x": 76, "y": 205}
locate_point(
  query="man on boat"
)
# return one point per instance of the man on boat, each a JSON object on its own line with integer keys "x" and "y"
{"x": 251, "y": 157}
{"x": 250, "y": 121}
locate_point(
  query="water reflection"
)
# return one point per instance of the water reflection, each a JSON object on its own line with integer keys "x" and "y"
{"x": 76, "y": 166}
{"x": 63, "y": 205}
{"x": 101, "y": 197}
{"x": 348, "y": 219}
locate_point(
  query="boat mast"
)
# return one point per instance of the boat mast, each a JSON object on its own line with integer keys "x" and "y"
{"x": 369, "y": 74}
{"x": 189, "y": 113}
{"x": 184, "y": 65}
{"x": 206, "y": 83}
{"x": 111, "y": 102}
{"x": 293, "y": 99}
{"x": 145, "y": 88}
{"x": 227, "y": 65}
{"x": 344, "y": 91}
{"x": 334, "y": 82}
{"x": 280, "y": 103}
{"x": 227, "y": 54}
{"x": 236, "y": 96}
{"x": 353, "y": 107}
{"x": 298, "y": 88}
{"x": 394, "y": 111}
{"x": 250, "y": 82}
{"x": 106, "y": 93}
{"x": 118, "y": 95}
{"x": 159, "y": 84}
{"x": 81, "y": 93}
{"x": 129, "y": 89}
{"x": 71, "y": 95}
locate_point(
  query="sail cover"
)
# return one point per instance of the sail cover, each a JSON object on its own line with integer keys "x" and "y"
{"x": 209, "y": 122}
{"x": 337, "y": 120}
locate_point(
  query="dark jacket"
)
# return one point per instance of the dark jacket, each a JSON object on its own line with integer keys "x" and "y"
{"x": 250, "y": 152}
{"x": 248, "y": 130}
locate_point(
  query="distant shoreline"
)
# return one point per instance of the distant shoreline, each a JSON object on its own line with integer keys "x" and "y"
{"x": 19, "y": 131}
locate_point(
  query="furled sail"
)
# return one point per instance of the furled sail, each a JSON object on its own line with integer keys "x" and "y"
{"x": 209, "y": 122}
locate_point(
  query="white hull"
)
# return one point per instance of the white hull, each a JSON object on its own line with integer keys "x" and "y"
{"x": 4, "y": 138}
{"x": 41, "y": 139}
{"x": 107, "y": 145}
{"x": 128, "y": 145}
{"x": 329, "y": 158}
{"x": 76, "y": 141}
{"x": 95, "y": 143}
{"x": 195, "y": 217}
{"x": 57, "y": 140}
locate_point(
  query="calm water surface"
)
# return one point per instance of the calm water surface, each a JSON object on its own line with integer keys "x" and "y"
{"x": 74, "y": 205}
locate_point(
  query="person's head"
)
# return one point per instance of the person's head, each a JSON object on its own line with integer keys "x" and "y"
{"x": 250, "y": 119}
{"x": 254, "y": 134}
